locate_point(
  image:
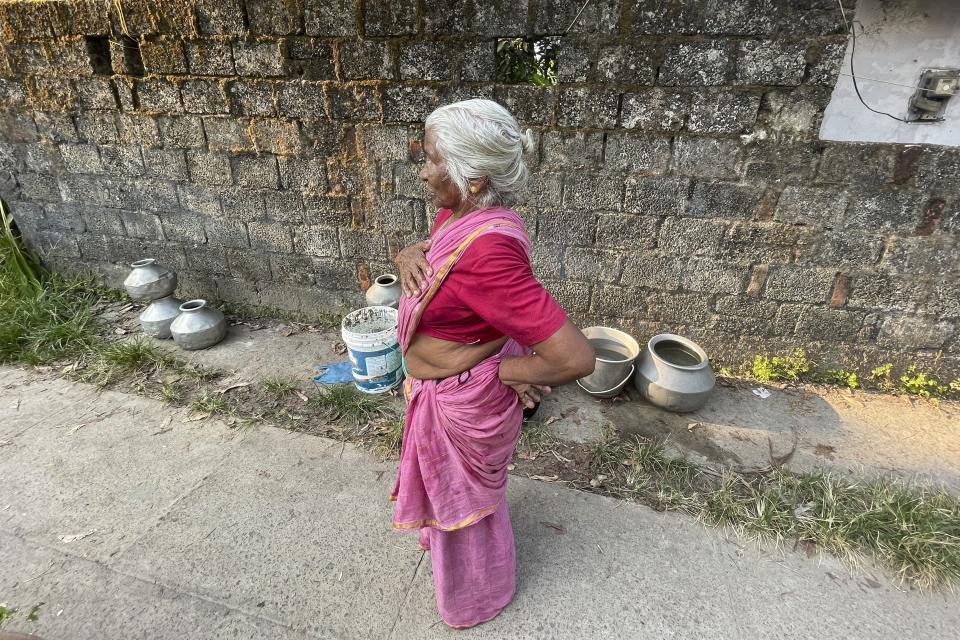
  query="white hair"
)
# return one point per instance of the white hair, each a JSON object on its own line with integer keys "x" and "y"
{"x": 481, "y": 139}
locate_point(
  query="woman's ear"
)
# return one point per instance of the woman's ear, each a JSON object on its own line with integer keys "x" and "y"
{"x": 477, "y": 185}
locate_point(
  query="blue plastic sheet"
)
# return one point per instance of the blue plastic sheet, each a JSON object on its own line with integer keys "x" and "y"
{"x": 335, "y": 373}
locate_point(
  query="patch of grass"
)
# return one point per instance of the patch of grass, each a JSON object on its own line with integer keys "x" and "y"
{"x": 920, "y": 383}
{"x": 839, "y": 377}
{"x": 279, "y": 387}
{"x": 43, "y": 317}
{"x": 57, "y": 322}
{"x": 912, "y": 530}
{"x": 778, "y": 368}
{"x": 170, "y": 393}
{"x": 343, "y": 403}
{"x": 210, "y": 402}
{"x": 535, "y": 437}
{"x": 797, "y": 367}
{"x": 385, "y": 437}
{"x": 6, "y": 613}
{"x": 108, "y": 362}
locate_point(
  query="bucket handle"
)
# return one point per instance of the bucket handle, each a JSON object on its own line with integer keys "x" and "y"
{"x": 632, "y": 369}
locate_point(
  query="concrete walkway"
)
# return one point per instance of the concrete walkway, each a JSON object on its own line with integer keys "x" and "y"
{"x": 128, "y": 522}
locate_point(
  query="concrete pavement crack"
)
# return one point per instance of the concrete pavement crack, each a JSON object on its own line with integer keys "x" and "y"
{"x": 151, "y": 581}
{"x": 406, "y": 595}
{"x": 186, "y": 494}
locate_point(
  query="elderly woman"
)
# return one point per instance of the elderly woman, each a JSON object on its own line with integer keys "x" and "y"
{"x": 481, "y": 340}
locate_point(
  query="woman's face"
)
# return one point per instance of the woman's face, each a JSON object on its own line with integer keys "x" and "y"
{"x": 443, "y": 193}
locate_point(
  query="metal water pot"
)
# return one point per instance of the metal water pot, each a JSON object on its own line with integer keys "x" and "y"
{"x": 149, "y": 280}
{"x": 198, "y": 326}
{"x": 674, "y": 373}
{"x": 156, "y": 319}
{"x": 384, "y": 292}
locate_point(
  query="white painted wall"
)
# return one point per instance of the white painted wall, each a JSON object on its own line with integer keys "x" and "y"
{"x": 900, "y": 39}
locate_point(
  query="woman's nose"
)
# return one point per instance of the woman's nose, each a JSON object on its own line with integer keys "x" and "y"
{"x": 423, "y": 174}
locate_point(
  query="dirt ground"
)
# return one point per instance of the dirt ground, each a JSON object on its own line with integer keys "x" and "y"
{"x": 857, "y": 432}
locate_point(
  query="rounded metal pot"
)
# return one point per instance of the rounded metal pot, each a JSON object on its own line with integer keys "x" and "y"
{"x": 674, "y": 373}
{"x": 149, "y": 280}
{"x": 384, "y": 292}
{"x": 198, "y": 326}
{"x": 159, "y": 315}
{"x": 616, "y": 352}
{"x": 609, "y": 393}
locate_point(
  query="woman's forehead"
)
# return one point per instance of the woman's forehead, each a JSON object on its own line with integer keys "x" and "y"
{"x": 430, "y": 141}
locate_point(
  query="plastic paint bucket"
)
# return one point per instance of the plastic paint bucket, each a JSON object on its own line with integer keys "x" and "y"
{"x": 370, "y": 334}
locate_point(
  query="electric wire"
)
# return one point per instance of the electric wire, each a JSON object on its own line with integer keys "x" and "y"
{"x": 852, "y": 33}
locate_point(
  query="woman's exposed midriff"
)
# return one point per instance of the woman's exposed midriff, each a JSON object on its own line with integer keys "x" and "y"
{"x": 430, "y": 358}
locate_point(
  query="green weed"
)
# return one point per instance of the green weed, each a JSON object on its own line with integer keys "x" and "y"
{"x": 279, "y": 387}
{"x": 912, "y": 530}
{"x": 840, "y": 377}
{"x": 920, "y": 383}
{"x": 534, "y": 438}
{"x": 211, "y": 403}
{"x": 343, "y": 402}
{"x": 109, "y": 362}
{"x": 779, "y": 368}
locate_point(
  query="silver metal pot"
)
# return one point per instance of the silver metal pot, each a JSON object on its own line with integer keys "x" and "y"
{"x": 674, "y": 373}
{"x": 149, "y": 280}
{"x": 159, "y": 314}
{"x": 384, "y": 292}
{"x": 616, "y": 351}
{"x": 198, "y": 326}
{"x": 609, "y": 393}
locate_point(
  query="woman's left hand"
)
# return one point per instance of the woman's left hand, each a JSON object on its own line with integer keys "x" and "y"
{"x": 530, "y": 394}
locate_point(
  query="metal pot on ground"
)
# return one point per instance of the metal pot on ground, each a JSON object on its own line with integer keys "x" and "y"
{"x": 616, "y": 352}
{"x": 674, "y": 373}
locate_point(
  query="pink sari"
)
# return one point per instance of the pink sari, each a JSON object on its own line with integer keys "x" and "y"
{"x": 458, "y": 439}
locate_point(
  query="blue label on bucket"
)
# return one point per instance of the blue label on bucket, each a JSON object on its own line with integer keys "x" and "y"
{"x": 375, "y": 363}
{"x": 376, "y": 370}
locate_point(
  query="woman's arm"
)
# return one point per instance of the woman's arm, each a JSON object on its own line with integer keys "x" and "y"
{"x": 563, "y": 357}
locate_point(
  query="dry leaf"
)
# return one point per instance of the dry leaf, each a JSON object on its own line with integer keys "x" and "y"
{"x": 545, "y": 478}
{"x": 549, "y": 421}
{"x": 232, "y": 387}
{"x": 339, "y": 348}
{"x": 4, "y": 443}
{"x": 873, "y": 584}
{"x": 77, "y": 536}
{"x": 120, "y": 331}
{"x": 511, "y": 467}
{"x": 170, "y": 379}
{"x": 693, "y": 425}
{"x": 301, "y": 395}
{"x": 198, "y": 416}
{"x": 286, "y": 332}
{"x": 76, "y": 428}
{"x": 165, "y": 427}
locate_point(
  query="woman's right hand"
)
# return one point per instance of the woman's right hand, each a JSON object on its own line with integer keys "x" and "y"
{"x": 414, "y": 268}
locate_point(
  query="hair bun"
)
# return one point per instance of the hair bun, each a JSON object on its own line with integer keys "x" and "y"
{"x": 528, "y": 141}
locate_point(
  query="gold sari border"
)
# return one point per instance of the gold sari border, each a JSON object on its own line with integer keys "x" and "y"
{"x": 431, "y": 522}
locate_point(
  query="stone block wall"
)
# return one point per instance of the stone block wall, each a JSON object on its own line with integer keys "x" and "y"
{"x": 268, "y": 150}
